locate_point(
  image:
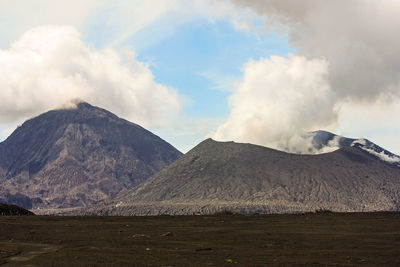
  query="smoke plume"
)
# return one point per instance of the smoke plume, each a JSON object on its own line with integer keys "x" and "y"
{"x": 346, "y": 52}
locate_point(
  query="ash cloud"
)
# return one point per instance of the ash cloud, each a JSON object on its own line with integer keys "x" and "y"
{"x": 358, "y": 42}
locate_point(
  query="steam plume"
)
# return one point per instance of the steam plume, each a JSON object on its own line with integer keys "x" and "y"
{"x": 353, "y": 48}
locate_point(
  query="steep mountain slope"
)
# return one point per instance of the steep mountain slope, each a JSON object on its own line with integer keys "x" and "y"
{"x": 77, "y": 157}
{"x": 216, "y": 176}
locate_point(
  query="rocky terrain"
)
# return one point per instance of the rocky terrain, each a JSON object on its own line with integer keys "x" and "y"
{"x": 77, "y": 157}
{"x": 217, "y": 176}
{"x": 12, "y": 210}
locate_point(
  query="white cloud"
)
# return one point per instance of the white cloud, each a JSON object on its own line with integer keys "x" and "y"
{"x": 356, "y": 46}
{"x": 278, "y": 100}
{"x": 358, "y": 38}
{"x": 50, "y": 65}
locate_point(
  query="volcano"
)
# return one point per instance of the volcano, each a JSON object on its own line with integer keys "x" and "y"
{"x": 77, "y": 157}
{"x": 216, "y": 176}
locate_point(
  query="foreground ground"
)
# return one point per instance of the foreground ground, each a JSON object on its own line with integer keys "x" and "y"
{"x": 371, "y": 239}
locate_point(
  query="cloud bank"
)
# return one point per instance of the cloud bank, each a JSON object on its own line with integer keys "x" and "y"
{"x": 50, "y": 65}
{"x": 353, "y": 47}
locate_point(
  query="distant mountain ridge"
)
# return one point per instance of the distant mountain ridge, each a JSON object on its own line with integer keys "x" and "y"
{"x": 77, "y": 157}
{"x": 217, "y": 176}
{"x": 13, "y": 210}
{"x": 329, "y": 141}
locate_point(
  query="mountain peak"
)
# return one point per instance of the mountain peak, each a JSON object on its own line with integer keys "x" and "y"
{"x": 84, "y": 105}
{"x": 77, "y": 156}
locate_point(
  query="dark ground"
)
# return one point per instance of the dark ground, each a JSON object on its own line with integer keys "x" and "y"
{"x": 6, "y": 210}
{"x": 370, "y": 239}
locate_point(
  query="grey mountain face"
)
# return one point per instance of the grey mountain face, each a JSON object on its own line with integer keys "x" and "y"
{"x": 217, "y": 176}
{"x": 77, "y": 157}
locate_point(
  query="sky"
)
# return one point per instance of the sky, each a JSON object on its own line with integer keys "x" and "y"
{"x": 262, "y": 72}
